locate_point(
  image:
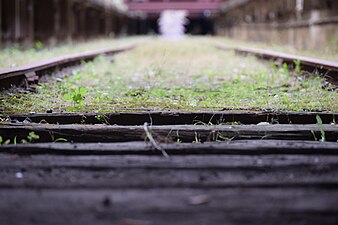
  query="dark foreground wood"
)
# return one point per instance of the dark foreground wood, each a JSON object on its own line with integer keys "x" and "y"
{"x": 178, "y": 118}
{"x": 244, "y": 147}
{"x": 187, "y": 190}
{"x": 185, "y": 133}
{"x": 169, "y": 206}
{"x": 259, "y": 174}
{"x": 144, "y": 172}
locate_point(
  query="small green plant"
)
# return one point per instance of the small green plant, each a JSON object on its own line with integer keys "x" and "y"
{"x": 60, "y": 140}
{"x": 284, "y": 70}
{"x": 274, "y": 67}
{"x": 298, "y": 66}
{"x": 7, "y": 142}
{"x": 31, "y": 137}
{"x": 57, "y": 139}
{"x": 77, "y": 96}
{"x": 321, "y": 127}
{"x": 38, "y": 45}
{"x": 102, "y": 118}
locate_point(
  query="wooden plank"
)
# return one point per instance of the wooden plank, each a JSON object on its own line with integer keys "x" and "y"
{"x": 185, "y": 133}
{"x": 170, "y": 206}
{"x": 320, "y": 175}
{"x": 179, "y": 118}
{"x": 243, "y": 147}
{"x": 224, "y": 162}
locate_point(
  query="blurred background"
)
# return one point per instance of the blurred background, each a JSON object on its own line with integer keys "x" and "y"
{"x": 303, "y": 24}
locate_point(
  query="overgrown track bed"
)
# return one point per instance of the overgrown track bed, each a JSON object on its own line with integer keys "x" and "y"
{"x": 326, "y": 69}
{"x": 156, "y": 77}
{"x": 30, "y": 74}
{"x": 165, "y": 166}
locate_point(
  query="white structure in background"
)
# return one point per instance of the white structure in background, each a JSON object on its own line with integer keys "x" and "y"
{"x": 119, "y": 4}
{"x": 171, "y": 24}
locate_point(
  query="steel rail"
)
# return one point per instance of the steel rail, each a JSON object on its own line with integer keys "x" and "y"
{"x": 327, "y": 69}
{"x": 32, "y": 72}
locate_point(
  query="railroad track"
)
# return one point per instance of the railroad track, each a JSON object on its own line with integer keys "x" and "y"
{"x": 24, "y": 76}
{"x": 319, "y": 67}
{"x": 223, "y": 167}
{"x": 164, "y": 168}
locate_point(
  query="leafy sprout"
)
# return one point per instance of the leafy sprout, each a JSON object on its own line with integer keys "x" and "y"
{"x": 38, "y": 45}
{"x": 321, "y": 127}
{"x": 76, "y": 95}
{"x": 2, "y": 141}
{"x": 33, "y": 137}
{"x": 298, "y": 66}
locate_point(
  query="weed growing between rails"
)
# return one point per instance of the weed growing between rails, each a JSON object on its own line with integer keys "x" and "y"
{"x": 185, "y": 75}
{"x": 77, "y": 96}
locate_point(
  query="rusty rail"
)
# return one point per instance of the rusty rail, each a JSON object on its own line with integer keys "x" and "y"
{"x": 324, "y": 68}
{"x": 20, "y": 76}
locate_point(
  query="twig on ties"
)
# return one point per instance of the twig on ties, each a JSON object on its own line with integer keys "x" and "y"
{"x": 152, "y": 140}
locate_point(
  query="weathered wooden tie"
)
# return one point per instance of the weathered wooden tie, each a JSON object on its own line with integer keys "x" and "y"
{"x": 179, "y": 118}
{"x": 243, "y": 147}
{"x": 185, "y": 133}
{"x": 183, "y": 190}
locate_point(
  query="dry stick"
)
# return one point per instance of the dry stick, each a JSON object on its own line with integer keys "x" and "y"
{"x": 152, "y": 140}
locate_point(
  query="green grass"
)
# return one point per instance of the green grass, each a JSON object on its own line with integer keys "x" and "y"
{"x": 188, "y": 75}
{"x": 14, "y": 56}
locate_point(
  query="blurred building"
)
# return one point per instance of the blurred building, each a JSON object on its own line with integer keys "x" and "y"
{"x": 201, "y": 13}
{"x": 26, "y": 21}
{"x": 305, "y": 24}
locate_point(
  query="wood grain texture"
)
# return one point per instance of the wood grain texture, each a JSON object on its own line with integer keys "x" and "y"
{"x": 187, "y": 172}
{"x": 242, "y": 147}
{"x": 180, "y": 118}
{"x": 186, "y": 133}
{"x": 190, "y": 189}
{"x": 170, "y": 206}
